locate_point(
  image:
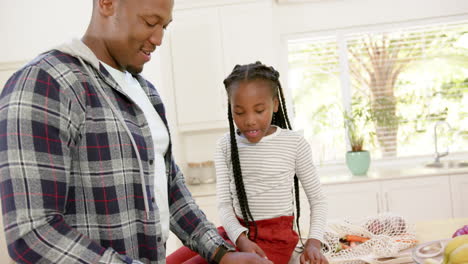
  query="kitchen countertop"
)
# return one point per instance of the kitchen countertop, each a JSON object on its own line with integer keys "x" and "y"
{"x": 436, "y": 230}
{"x": 387, "y": 173}
{"x": 440, "y": 229}
{"x": 339, "y": 176}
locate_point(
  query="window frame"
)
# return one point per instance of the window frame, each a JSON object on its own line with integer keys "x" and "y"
{"x": 345, "y": 81}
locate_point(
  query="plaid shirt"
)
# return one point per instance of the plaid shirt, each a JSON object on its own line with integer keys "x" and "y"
{"x": 69, "y": 178}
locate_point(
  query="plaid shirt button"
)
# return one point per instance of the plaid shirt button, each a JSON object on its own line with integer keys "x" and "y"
{"x": 153, "y": 200}
{"x": 159, "y": 239}
{"x": 151, "y": 162}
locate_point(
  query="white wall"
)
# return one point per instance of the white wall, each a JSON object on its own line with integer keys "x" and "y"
{"x": 35, "y": 26}
{"x": 334, "y": 14}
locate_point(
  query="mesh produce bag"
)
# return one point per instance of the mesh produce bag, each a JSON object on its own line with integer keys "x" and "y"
{"x": 380, "y": 236}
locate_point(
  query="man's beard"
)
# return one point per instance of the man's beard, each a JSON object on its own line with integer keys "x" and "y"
{"x": 134, "y": 70}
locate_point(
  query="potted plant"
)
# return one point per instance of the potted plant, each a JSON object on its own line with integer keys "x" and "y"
{"x": 355, "y": 122}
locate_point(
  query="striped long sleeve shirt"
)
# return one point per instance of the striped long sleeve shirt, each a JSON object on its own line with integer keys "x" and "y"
{"x": 268, "y": 169}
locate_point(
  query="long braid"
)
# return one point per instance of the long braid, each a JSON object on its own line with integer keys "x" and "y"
{"x": 237, "y": 172}
{"x": 251, "y": 72}
{"x": 283, "y": 106}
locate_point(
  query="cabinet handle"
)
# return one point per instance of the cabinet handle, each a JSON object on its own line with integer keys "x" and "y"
{"x": 386, "y": 201}
{"x": 378, "y": 202}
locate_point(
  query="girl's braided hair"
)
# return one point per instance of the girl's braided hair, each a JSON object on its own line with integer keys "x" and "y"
{"x": 251, "y": 72}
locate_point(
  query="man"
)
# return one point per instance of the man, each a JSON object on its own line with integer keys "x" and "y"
{"x": 87, "y": 174}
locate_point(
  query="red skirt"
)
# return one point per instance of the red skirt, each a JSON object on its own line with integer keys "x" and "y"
{"x": 275, "y": 237}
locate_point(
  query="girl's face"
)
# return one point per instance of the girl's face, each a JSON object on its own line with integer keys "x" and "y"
{"x": 252, "y": 106}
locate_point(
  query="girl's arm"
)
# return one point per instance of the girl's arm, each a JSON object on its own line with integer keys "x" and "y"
{"x": 305, "y": 171}
{"x": 223, "y": 193}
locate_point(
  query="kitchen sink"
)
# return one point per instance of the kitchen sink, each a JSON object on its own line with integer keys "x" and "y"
{"x": 449, "y": 164}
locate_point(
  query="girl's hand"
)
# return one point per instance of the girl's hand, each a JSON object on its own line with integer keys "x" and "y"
{"x": 244, "y": 244}
{"x": 312, "y": 253}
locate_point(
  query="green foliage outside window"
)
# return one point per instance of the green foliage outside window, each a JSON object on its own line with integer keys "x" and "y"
{"x": 405, "y": 80}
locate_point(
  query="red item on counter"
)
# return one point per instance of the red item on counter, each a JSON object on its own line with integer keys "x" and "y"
{"x": 461, "y": 231}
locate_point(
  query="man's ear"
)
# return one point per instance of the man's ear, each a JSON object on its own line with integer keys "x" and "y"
{"x": 106, "y": 7}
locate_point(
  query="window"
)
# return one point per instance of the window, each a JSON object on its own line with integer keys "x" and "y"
{"x": 406, "y": 79}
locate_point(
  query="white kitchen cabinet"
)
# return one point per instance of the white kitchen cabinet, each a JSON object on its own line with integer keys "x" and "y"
{"x": 352, "y": 201}
{"x": 459, "y": 187}
{"x": 197, "y": 60}
{"x": 418, "y": 199}
{"x": 247, "y": 34}
{"x": 205, "y": 45}
{"x": 345, "y": 200}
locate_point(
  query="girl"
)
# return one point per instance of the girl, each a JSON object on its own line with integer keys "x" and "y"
{"x": 257, "y": 166}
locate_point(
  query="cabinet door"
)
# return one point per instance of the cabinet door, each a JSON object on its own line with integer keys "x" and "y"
{"x": 352, "y": 201}
{"x": 459, "y": 185}
{"x": 197, "y": 60}
{"x": 418, "y": 199}
{"x": 206, "y": 43}
{"x": 247, "y": 33}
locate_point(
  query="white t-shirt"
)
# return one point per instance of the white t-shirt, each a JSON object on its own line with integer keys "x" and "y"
{"x": 160, "y": 137}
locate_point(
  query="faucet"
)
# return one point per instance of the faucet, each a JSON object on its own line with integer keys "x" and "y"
{"x": 437, "y": 154}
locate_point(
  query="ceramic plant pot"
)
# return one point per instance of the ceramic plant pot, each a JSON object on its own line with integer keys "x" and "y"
{"x": 358, "y": 162}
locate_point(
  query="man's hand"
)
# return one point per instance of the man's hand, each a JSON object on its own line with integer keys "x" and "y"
{"x": 244, "y": 244}
{"x": 312, "y": 253}
{"x": 243, "y": 257}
